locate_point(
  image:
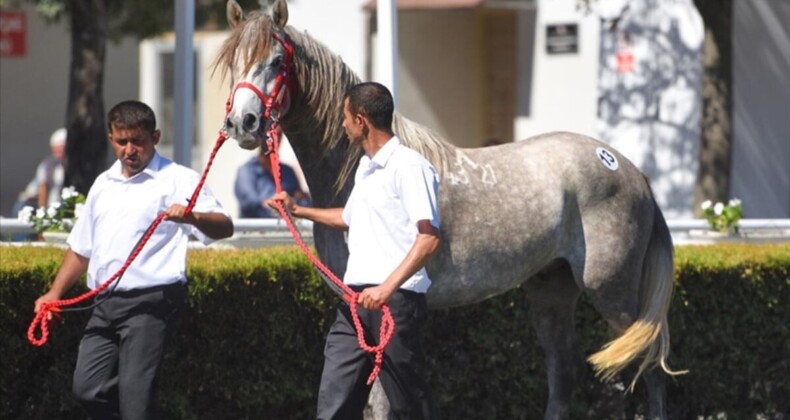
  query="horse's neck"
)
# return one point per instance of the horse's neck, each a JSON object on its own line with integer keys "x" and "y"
{"x": 320, "y": 167}
{"x": 314, "y": 123}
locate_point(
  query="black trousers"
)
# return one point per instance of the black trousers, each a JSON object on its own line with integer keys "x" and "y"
{"x": 343, "y": 392}
{"x": 121, "y": 352}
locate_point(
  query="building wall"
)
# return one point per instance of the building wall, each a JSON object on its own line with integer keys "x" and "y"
{"x": 557, "y": 92}
{"x": 761, "y": 108}
{"x": 440, "y": 73}
{"x": 34, "y": 93}
{"x": 500, "y": 77}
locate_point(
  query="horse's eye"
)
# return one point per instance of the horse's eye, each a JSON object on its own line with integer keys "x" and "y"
{"x": 276, "y": 61}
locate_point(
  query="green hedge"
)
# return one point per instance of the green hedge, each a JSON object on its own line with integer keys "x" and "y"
{"x": 250, "y": 344}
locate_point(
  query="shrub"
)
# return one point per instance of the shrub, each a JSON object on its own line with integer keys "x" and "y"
{"x": 250, "y": 343}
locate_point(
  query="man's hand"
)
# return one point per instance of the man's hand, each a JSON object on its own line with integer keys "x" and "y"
{"x": 375, "y": 297}
{"x": 176, "y": 212}
{"x": 286, "y": 200}
{"x": 70, "y": 271}
{"x": 50, "y": 296}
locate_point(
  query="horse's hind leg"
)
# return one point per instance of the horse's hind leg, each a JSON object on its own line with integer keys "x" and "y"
{"x": 656, "y": 393}
{"x": 552, "y": 296}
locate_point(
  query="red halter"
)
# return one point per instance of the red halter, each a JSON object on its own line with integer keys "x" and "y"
{"x": 272, "y": 107}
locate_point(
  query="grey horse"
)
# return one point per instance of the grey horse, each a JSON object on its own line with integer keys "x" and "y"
{"x": 562, "y": 213}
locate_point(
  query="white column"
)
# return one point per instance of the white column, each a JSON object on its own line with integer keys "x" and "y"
{"x": 151, "y": 75}
{"x": 387, "y": 46}
{"x": 184, "y": 82}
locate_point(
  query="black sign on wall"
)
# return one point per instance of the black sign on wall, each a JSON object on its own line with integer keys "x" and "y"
{"x": 562, "y": 38}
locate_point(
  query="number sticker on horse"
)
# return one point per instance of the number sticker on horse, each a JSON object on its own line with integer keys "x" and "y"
{"x": 607, "y": 158}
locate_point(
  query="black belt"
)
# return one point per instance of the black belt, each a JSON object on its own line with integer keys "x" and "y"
{"x": 143, "y": 291}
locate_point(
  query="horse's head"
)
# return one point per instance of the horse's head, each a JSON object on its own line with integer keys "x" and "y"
{"x": 257, "y": 56}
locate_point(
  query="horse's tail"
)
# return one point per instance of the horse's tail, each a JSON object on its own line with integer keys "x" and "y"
{"x": 650, "y": 332}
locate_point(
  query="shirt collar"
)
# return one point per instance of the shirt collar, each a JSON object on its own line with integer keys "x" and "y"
{"x": 381, "y": 157}
{"x": 154, "y": 166}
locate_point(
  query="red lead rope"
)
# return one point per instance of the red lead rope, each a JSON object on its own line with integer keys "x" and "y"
{"x": 43, "y": 316}
{"x": 271, "y": 104}
{"x": 273, "y": 111}
{"x": 350, "y": 296}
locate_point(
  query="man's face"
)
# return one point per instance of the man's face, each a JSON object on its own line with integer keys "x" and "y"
{"x": 58, "y": 151}
{"x": 134, "y": 147}
{"x": 353, "y": 124}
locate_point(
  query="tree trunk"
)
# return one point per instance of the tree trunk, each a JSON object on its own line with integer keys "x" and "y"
{"x": 86, "y": 147}
{"x": 715, "y": 156}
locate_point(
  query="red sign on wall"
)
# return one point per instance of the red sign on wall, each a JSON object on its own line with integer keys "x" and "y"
{"x": 625, "y": 54}
{"x": 12, "y": 34}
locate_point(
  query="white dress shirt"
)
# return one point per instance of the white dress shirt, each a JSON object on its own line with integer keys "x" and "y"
{"x": 118, "y": 211}
{"x": 392, "y": 192}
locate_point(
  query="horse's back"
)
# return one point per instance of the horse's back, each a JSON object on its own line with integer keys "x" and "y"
{"x": 508, "y": 211}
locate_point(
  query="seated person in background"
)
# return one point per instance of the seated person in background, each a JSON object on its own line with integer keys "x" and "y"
{"x": 255, "y": 184}
{"x": 44, "y": 189}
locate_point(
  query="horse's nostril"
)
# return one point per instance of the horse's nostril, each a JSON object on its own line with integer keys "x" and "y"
{"x": 250, "y": 123}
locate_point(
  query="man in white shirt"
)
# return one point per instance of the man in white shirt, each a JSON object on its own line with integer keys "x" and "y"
{"x": 121, "y": 351}
{"x": 393, "y": 230}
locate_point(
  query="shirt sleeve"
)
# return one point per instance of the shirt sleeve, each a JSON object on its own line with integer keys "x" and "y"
{"x": 347, "y": 209}
{"x": 80, "y": 238}
{"x": 418, "y": 186}
{"x": 206, "y": 203}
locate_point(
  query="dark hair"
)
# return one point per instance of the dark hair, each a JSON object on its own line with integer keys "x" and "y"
{"x": 132, "y": 114}
{"x": 374, "y": 101}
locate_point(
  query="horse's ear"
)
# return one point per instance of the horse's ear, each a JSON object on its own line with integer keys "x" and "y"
{"x": 280, "y": 13}
{"x": 234, "y": 13}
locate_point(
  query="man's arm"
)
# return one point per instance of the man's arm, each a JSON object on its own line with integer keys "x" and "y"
{"x": 330, "y": 217}
{"x": 41, "y": 177}
{"x": 214, "y": 225}
{"x": 71, "y": 269}
{"x": 42, "y": 194}
{"x": 424, "y": 247}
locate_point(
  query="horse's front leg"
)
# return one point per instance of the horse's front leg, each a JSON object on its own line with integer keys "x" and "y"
{"x": 552, "y": 296}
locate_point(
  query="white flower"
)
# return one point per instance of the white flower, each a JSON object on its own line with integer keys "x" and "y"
{"x": 68, "y": 192}
{"x": 25, "y": 214}
{"x": 718, "y": 209}
{"x": 52, "y": 211}
{"x": 40, "y": 213}
{"x": 78, "y": 210}
{"x": 706, "y": 204}
{"x": 735, "y": 202}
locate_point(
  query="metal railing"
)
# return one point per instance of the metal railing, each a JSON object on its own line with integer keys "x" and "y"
{"x": 268, "y": 232}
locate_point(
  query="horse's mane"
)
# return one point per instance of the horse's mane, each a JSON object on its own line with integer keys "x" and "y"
{"x": 255, "y": 31}
{"x": 323, "y": 78}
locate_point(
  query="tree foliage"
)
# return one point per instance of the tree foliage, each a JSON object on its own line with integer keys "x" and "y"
{"x": 715, "y": 156}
